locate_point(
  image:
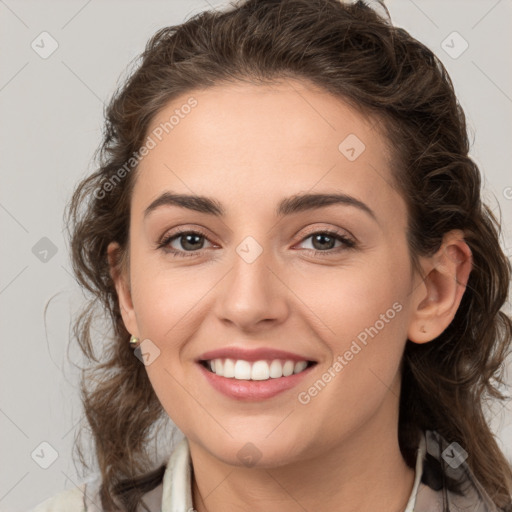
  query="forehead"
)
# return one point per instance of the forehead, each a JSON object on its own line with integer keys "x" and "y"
{"x": 252, "y": 145}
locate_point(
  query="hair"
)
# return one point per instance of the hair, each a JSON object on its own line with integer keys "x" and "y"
{"x": 356, "y": 54}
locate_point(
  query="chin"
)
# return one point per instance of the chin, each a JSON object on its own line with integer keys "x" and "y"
{"x": 255, "y": 451}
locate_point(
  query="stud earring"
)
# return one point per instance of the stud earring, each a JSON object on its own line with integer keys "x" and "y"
{"x": 134, "y": 341}
{"x": 422, "y": 329}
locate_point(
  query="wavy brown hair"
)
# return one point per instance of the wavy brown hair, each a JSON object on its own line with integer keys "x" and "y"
{"x": 357, "y": 55}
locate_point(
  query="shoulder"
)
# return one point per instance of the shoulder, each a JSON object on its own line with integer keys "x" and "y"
{"x": 174, "y": 489}
{"x": 86, "y": 498}
{"x": 447, "y": 481}
{"x": 70, "y": 500}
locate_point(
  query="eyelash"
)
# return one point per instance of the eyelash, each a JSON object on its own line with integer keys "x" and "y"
{"x": 349, "y": 243}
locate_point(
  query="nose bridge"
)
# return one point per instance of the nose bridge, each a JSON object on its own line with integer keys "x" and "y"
{"x": 252, "y": 292}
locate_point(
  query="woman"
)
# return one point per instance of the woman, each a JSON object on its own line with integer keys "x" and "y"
{"x": 287, "y": 232}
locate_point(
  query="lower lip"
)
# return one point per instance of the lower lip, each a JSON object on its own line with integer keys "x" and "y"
{"x": 253, "y": 389}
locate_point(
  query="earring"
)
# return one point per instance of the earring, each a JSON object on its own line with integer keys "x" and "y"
{"x": 134, "y": 341}
{"x": 422, "y": 329}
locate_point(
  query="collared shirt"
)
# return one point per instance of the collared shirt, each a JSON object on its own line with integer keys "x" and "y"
{"x": 443, "y": 482}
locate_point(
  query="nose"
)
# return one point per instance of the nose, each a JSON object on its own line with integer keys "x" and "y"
{"x": 253, "y": 295}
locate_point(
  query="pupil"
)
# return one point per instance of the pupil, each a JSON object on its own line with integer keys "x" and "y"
{"x": 323, "y": 238}
{"x": 188, "y": 238}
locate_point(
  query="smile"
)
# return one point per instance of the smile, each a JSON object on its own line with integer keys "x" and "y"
{"x": 241, "y": 369}
{"x": 254, "y": 381}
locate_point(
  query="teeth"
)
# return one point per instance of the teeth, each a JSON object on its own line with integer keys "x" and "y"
{"x": 258, "y": 370}
{"x": 242, "y": 370}
{"x": 229, "y": 368}
{"x": 300, "y": 366}
{"x": 276, "y": 369}
{"x": 288, "y": 368}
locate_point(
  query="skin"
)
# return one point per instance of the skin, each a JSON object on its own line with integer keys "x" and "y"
{"x": 248, "y": 147}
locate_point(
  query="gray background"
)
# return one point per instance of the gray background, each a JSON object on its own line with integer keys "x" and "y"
{"x": 51, "y": 111}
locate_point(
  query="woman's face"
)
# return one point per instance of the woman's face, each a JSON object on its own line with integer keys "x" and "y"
{"x": 250, "y": 280}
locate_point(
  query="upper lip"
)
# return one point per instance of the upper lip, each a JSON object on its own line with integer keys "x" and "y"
{"x": 255, "y": 354}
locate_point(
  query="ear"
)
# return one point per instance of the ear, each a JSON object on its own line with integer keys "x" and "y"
{"x": 122, "y": 284}
{"x": 437, "y": 299}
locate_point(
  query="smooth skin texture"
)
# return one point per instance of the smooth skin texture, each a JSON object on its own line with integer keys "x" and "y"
{"x": 249, "y": 147}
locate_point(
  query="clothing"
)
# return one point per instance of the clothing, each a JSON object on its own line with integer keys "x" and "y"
{"x": 174, "y": 494}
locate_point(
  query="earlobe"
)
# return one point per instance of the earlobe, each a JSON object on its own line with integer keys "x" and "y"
{"x": 437, "y": 301}
{"x": 121, "y": 282}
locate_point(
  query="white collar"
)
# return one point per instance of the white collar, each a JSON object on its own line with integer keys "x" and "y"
{"x": 421, "y": 452}
{"x": 177, "y": 482}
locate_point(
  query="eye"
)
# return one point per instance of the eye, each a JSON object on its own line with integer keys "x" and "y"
{"x": 191, "y": 242}
{"x": 324, "y": 241}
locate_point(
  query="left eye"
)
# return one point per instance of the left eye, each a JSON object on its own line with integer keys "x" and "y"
{"x": 325, "y": 240}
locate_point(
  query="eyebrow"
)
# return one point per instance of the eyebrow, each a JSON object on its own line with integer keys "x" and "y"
{"x": 288, "y": 206}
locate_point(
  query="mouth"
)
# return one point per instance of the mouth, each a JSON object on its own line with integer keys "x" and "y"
{"x": 261, "y": 370}
{"x": 253, "y": 381}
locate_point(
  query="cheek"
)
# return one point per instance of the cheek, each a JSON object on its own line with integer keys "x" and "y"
{"x": 170, "y": 306}
{"x": 361, "y": 314}
{"x": 359, "y": 298}
{"x": 166, "y": 299}
{"x": 174, "y": 393}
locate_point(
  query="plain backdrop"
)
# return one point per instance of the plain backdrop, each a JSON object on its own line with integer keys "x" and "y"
{"x": 51, "y": 110}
